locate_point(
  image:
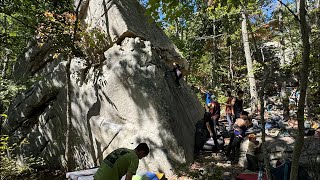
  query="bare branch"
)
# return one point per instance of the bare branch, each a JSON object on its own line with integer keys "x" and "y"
{"x": 297, "y": 18}
{"x": 208, "y": 37}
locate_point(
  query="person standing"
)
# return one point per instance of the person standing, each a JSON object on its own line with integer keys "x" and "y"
{"x": 210, "y": 127}
{"x": 121, "y": 162}
{"x": 237, "y": 105}
{"x": 229, "y": 110}
{"x": 208, "y": 97}
{"x": 214, "y": 109}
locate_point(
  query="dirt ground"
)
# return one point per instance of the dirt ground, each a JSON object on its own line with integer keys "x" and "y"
{"x": 208, "y": 166}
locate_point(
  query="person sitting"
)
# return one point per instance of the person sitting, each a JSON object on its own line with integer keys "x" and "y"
{"x": 239, "y": 131}
{"x": 253, "y": 146}
{"x": 121, "y": 162}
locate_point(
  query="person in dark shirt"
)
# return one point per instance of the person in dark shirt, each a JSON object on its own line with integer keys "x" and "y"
{"x": 237, "y": 105}
{"x": 214, "y": 109}
{"x": 210, "y": 127}
{"x": 239, "y": 131}
{"x": 177, "y": 73}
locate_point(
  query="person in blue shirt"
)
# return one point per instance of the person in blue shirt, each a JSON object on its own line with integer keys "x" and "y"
{"x": 208, "y": 97}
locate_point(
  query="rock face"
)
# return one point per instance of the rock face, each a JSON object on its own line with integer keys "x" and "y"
{"x": 124, "y": 100}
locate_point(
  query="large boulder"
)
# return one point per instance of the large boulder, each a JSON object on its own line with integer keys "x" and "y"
{"x": 127, "y": 98}
{"x": 126, "y": 18}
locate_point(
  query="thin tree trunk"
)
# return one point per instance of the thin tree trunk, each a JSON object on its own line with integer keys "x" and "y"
{"x": 230, "y": 63}
{"x": 252, "y": 81}
{"x": 177, "y": 27}
{"x": 5, "y": 63}
{"x": 317, "y": 15}
{"x": 6, "y": 51}
{"x": 181, "y": 29}
{"x": 283, "y": 95}
{"x": 69, "y": 134}
{"x": 298, "y": 6}
{"x": 263, "y": 137}
{"x": 299, "y": 141}
{"x": 209, "y": 2}
{"x": 214, "y": 53}
{"x": 262, "y": 109}
{"x": 68, "y": 146}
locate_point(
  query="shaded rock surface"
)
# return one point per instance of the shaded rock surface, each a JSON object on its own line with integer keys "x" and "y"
{"x": 124, "y": 100}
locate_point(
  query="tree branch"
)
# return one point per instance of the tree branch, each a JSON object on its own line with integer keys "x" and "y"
{"x": 23, "y": 23}
{"x": 297, "y": 18}
{"x": 76, "y": 24}
{"x": 20, "y": 21}
{"x": 208, "y": 37}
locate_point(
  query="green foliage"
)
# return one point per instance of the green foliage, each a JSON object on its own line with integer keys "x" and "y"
{"x": 9, "y": 168}
{"x": 8, "y": 90}
{"x": 94, "y": 43}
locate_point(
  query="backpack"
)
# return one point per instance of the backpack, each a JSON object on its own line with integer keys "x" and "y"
{"x": 282, "y": 172}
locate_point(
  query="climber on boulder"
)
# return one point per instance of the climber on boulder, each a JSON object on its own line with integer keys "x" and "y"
{"x": 177, "y": 72}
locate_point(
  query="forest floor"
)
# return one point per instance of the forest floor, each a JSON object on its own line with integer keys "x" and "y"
{"x": 209, "y": 166}
{"x": 42, "y": 175}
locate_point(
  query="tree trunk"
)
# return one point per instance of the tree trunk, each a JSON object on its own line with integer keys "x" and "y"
{"x": 69, "y": 134}
{"x": 304, "y": 68}
{"x": 6, "y": 51}
{"x": 230, "y": 64}
{"x": 266, "y": 73}
{"x": 68, "y": 146}
{"x": 5, "y": 63}
{"x": 283, "y": 93}
{"x": 263, "y": 137}
{"x": 252, "y": 81}
{"x": 177, "y": 27}
{"x": 209, "y": 2}
{"x": 317, "y": 16}
{"x": 214, "y": 54}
